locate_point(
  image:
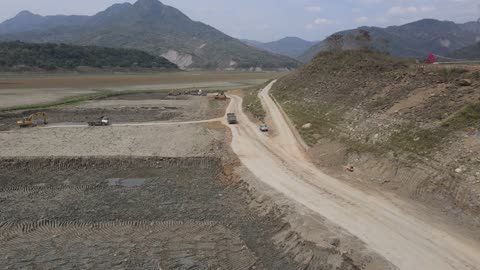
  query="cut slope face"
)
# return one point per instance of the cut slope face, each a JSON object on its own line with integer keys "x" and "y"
{"x": 409, "y": 130}
{"x": 156, "y": 28}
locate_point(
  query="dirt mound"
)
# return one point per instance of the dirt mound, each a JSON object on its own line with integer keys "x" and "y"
{"x": 408, "y": 129}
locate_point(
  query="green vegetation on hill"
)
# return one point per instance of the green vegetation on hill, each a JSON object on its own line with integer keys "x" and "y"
{"x": 252, "y": 103}
{"x": 150, "y": 26}
{"x": 370, "y": 100}
{"x": 61, "y": 56}
{"x": 470, "y": 52}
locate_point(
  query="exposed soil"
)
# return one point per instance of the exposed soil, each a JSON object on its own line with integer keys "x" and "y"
{"x": 140, "y": 213}
{"x": 16, "y": 81}
{"x": 29, "y": 89}
{"x": 107, "y": 198}
{"x": 145, "y": 107}
{"x": 168, "y": 140}
{"x": 408, "y": 130}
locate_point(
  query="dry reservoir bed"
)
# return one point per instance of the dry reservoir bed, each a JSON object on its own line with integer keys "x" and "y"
{"x": 134, "y": 213}
{"x": 141, "y": 107}
{"x": 127, "y": 213}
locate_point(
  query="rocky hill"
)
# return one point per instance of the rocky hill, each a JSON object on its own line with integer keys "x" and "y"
{"x": 413, "y": 40}
{"x": 19, "y": 56}
{"x": 290, "y": 46}
{"x": 412, "y": 131}
{"x": 468, "y": 53}
{"x": 147, "y": 25}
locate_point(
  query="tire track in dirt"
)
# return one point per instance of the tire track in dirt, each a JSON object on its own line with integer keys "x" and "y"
{"x": 404, "y": 237}
{"x": 177, "y": 238}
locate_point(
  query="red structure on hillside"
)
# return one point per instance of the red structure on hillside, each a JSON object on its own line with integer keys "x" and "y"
{"x": 431, "y": 59}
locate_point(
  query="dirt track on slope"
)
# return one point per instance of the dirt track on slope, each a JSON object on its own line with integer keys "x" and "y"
{"x": 389, "y": 226}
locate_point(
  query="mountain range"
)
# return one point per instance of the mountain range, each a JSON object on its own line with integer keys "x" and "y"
{"x": 150, "y": 26}
{"x": 289, "y": 46}
{"x": 414, "y": 40}
{"x": 468, "y": 53}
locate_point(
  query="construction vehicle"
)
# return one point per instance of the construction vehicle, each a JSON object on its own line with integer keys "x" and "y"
{"x": 263, "y": 128}
{"x": 102, "y": 121}
{"x": 221, "y": 96}
{"x": 232, "y": 118}
{"x": 31, "y": 121}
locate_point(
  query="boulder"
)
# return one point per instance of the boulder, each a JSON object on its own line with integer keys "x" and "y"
{"x": 307, "y": 126}
{"x": 465, "y": 82}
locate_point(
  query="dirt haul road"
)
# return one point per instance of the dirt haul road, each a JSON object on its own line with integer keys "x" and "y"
{"x": 143, "y": 124}
{"x": 388, "y": 226}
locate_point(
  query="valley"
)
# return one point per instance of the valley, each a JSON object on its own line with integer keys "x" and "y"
{"x": 140, "y": 136}
{"x": 17, "y": 89}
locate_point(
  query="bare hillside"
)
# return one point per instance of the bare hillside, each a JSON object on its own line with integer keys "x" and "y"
{"x": 410, "y": 130}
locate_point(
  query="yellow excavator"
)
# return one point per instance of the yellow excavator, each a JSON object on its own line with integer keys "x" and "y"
{"x": 221, "y": 96}
{"x": 32, "y": 120}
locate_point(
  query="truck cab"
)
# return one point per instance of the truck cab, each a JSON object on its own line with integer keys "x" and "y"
{"x": 232, "y": 118}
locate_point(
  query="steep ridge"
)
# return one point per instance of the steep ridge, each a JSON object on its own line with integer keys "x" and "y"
{"x": 151, "y": 26}
{"x": 27, "y": 21}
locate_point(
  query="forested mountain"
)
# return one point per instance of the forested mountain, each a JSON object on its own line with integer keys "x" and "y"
{"x": 15, "y": 55}
{"x": 467, "y": 53}
{"x": 146, "y": 25}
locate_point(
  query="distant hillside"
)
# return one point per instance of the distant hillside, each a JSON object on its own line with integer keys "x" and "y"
{"x": 24, "y": 56}
{"x": 469, "y": 53}
{"x": 147, "y": 25}
{"x": 415, "y": 40}
{"x": 289, "y": 46}
{"x": 27, "y": 21}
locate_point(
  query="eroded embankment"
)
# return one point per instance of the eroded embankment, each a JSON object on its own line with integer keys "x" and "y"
{"x": 410, "y": 131}
{"x": 152, "y": 213}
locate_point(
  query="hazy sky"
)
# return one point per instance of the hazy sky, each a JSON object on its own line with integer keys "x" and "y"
{"x": 267, "y": 20}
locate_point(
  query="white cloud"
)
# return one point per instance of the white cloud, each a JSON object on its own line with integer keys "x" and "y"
{"x": 322, "y": 21}
{"x": 362, "y": 19}
{"x": 318, "y": 22}
{"x": 313, "y": 9}
{"x": 372, "y": 1}
{"x": 402, "y": 11}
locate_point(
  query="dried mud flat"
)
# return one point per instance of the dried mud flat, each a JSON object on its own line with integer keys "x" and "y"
{"x": 153, "y": 196}
{"x": 27, "y": 89}
{"x": 141, "y": 107}
{"x": 141, "y": 213}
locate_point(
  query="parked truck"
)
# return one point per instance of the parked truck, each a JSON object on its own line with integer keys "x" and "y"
{"x": 102, "y": 121}
{"x": 232, "y": 118}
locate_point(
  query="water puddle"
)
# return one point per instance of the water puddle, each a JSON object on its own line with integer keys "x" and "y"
{"x": 126, "y": 182}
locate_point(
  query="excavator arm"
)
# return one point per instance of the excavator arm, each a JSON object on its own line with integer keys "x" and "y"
{"x": 30, "y": 120}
